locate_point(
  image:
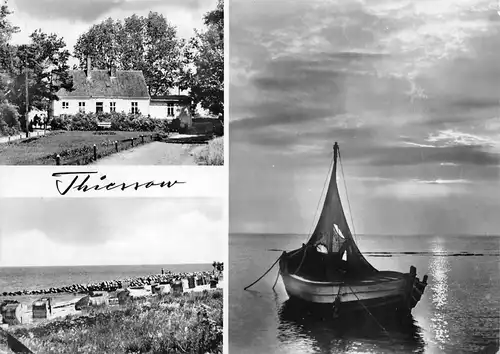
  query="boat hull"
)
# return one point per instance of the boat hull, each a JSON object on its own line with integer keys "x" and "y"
{"x": 384, "y": 289}
{"x": 371, "y": 292}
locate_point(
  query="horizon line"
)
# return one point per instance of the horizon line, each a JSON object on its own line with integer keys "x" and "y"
{"x": 103, "y": 265}
{"x": 362, "y": 234}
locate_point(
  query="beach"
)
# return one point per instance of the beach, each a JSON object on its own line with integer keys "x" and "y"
{"x": 38, "y": 313}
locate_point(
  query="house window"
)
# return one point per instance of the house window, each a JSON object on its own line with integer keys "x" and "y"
{"x": 65, "y": 105}
{"x": 170, "y": 109}
{"x": 135, "y": 108}
{"x": 112, "y": 106}
{"x": 81, "y": 107}
{"x": 99, "y": 107}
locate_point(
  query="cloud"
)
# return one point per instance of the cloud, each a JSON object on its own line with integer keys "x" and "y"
{"x": 190, "y": 238}
{"x": 458, "y": 154}
{"x": 408, "y": 89}
{"x": 452, "y": 137}
{"x": 448, "y": 164}
{"x": 91, "y": 10}
{"x": 444, "y": 181}
{"x": 111, "y": 231}
{"x": 419, "y": 190}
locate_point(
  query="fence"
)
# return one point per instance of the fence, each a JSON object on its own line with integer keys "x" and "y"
{"x": 20, "y": 136}
{"x": 88, "y": 154}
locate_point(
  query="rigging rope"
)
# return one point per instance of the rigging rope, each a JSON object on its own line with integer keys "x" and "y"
{"x": 347, "y": 196}
{"x": 277, "y": 277}
{"x": 374, "y": 318}
{"x": 263, "y": 274}
{"x": 302, "y": 260}
{"x": 319, "y": 201}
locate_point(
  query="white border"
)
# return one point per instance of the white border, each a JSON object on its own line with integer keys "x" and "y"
{"x": 36, "y": 182}
{"x": 226, "y": 171}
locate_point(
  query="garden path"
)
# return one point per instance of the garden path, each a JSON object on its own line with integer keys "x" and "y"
{"x": 155, "y": 153}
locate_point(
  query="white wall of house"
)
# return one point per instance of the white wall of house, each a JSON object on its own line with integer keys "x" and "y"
{"x": 162, "y": 110}
{"x": 72, "y": 106}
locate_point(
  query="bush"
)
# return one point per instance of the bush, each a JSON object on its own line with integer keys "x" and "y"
{"x": 195, "y": 325}
{"x": 9, "y": 119}
{"x": 119, "y": 122}
{"x": 60, "y": 123}
{"x": 213, "y": 153}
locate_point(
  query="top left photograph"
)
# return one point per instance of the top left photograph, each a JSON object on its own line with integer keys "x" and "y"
{"x": 111, "y": 82}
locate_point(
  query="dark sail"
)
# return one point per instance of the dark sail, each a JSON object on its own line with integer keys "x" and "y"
{"x": 332, "y": 240}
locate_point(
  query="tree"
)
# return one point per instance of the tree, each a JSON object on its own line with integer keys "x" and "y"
{"x": 102, "y": 43}
{"x": 45, "y": 61}
{"x": 9, "y": 115}
{"x": 149, "y": 44}
{"x": 207, "y": 54}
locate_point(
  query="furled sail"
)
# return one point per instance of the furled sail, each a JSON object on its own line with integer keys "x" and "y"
{"x": 332, "y": 235}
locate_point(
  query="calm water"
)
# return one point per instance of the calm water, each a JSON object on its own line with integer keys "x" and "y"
{"x": 33, "y": 278}
{"x": 458, "y": 313}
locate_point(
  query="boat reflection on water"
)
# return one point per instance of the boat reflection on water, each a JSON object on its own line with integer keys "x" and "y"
{"x": 318, "y": 332}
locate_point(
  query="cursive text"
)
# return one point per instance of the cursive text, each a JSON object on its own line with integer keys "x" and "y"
{"x": 80, "y": 181}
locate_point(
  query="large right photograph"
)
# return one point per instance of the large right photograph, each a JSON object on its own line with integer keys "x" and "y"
{"x": 364, "y": 176}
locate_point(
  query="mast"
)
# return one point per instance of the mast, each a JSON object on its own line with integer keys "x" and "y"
{"x": 335, "y": 154}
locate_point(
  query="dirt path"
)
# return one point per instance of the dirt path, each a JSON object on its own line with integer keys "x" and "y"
{"x": 155, "y": 153}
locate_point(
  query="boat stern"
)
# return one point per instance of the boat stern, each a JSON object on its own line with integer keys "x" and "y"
{"x": 415, "y": 287}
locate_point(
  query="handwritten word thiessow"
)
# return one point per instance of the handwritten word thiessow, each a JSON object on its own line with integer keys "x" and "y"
{"x": 86, "y": 181}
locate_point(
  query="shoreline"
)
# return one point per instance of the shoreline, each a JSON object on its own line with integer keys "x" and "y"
{"x": 111, "y": 285}
{"x": 17, "y": 308}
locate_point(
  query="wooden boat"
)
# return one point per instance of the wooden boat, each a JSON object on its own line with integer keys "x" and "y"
{"x": 330, "y": 269}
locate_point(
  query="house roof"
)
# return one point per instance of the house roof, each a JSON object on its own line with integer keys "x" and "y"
{"x": 171, "y": 98}
{"x": 126, "y": 84}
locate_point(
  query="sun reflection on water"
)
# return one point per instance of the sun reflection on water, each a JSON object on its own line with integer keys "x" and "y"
{"x": 439, "y": 268}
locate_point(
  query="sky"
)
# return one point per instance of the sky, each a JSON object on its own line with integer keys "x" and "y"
{"x": 70, "y": 18}
{"x": 108, "y": 231}
{"x": 409, "y": 89}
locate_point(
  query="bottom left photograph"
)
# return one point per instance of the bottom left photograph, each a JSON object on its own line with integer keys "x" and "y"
{"x": 112, "y": 275}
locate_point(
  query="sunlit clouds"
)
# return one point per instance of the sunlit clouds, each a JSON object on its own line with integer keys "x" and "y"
{"x": 409, "y": 90}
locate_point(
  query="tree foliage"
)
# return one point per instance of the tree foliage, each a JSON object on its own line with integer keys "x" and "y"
{"x": 147, "y": 43}
{"x": 45, "y": 61}
{"x": 9, "y": 116}
{"x": 207, "y": 53}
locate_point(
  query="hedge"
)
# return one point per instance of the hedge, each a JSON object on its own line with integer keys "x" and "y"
{"x": 119, "y": 122}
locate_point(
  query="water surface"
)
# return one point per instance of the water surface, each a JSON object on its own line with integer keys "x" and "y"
{"x": 458, "y": 313}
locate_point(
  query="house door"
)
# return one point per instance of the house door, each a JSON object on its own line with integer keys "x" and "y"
{"x": 99, "y": 107}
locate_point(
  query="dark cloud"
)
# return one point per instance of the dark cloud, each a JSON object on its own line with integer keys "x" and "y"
{"x": 91, "y": 10}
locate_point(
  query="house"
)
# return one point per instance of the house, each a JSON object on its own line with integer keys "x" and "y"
{"x": 122, "y": 91}
{"x": 171, "y": 107}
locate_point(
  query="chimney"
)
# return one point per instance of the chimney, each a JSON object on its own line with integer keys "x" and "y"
{"x": 89, "y": 68}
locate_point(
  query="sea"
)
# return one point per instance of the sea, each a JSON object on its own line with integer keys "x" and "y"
{"x": 34, "y": 278}
{"x": 459, "y": 311}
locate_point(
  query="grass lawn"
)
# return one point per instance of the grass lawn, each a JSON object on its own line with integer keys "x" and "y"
{"x": 189, "y": 323}
{"x": 69, "y": 144}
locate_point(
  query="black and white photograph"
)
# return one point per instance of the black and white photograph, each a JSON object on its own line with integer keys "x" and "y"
{"x": 112, "y": 275}
{"x": 107, "y": 82}
{"x": 364, "y": 176}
